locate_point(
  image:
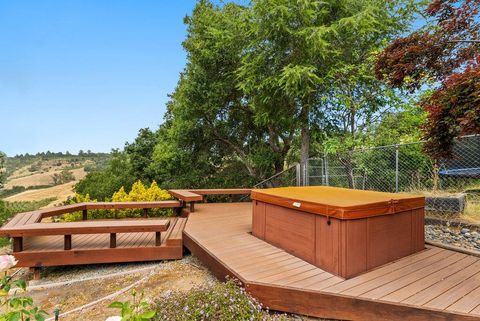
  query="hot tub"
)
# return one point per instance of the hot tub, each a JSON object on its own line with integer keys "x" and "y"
{"x": 343, "y": 231}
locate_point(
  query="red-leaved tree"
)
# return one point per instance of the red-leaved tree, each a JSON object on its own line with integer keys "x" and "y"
{"x": 444, "y": 55}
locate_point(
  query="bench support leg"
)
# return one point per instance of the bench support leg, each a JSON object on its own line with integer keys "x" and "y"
{"x": 17, "y": 244}
{"x": 35, "y": 270}
{"x": 158, "y": 239}
{"x": 68, "y": 242}
{"x": 84, "y": 215}
{"x": 113, "y": 240}
{"x": 192, "y": 207}
{"x": 145, "y": 212}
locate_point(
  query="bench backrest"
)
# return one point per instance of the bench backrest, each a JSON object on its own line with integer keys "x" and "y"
{"x": 87, "y": 227}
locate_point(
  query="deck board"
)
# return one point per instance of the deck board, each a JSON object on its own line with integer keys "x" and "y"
{"x": 434, "y": 284}
{"x": 443, "y": 286}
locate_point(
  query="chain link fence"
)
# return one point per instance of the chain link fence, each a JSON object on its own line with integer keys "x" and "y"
{"x": 451, "y": 189}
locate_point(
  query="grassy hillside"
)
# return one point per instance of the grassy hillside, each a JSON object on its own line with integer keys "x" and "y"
{"x": 32, "y": 178}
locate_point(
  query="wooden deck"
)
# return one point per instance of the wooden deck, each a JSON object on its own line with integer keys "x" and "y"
{"x": 37, "y": 244}
{"x": 95, "y": 248}
{"x": 434, "y": 284}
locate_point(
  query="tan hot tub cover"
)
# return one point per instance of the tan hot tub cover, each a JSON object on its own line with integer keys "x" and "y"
{"x": 341, "y": 203}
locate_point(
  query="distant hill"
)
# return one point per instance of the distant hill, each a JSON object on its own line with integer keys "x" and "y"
{"x": 47, "y": 175}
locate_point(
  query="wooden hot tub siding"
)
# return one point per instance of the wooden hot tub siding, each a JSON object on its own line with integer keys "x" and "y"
{"x": 345, "y": 247}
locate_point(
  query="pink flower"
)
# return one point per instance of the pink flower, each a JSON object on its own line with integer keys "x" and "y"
{"x": 7, "y": 262}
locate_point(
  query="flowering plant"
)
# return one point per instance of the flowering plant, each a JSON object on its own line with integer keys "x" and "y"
{"x": 16, "y": 307}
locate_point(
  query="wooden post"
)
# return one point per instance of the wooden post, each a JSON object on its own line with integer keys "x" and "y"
{"x": 145, "y": 212}
{"x": 158, "y": 239}
{"x": 113, "y": 240}
{"x": 192, "y": 207}
{"x": 17, "y": 244}
{"x": 68, "y": 242}
{"x": 179, "y": 209}
{"x": 35, "y": 270}
{"x": 85, "y": 215}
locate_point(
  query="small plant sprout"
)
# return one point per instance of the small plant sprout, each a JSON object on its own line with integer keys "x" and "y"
{"x": 136, "y": 310}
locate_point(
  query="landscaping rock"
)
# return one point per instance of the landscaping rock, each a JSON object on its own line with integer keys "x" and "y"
{"x": 463, "y": 237}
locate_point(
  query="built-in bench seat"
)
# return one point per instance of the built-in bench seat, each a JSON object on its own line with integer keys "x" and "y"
{"x": 37, "y": 243}
{"x": 197, "y": 195}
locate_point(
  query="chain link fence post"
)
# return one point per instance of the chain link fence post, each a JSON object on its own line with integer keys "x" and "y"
{"x": 298, "y": 170}
{"x": 396, "y": 168}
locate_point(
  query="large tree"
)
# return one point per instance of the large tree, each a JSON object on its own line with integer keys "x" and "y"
{"x": 443, "y": 56}
{"x": 308, "y": 62}
{"x": 264, "y": 80}
{"x": 260, "y": 79}
{"x": 209, "y": 126}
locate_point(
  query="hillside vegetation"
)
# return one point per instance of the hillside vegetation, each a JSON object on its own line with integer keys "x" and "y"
{"x": 47, "y": 175}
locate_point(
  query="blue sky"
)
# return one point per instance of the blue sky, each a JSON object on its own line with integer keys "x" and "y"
{"x": 86, "y": 74}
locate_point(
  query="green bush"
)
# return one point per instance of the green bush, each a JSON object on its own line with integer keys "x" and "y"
{"x": 63, "y": 177}
{"x": 138, "y": 193}
{"x": 223, "y": 301}
{"x": 4, "y": 193}
{"x": 8, "y": 209}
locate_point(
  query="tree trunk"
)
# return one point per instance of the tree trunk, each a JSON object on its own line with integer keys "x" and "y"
{"x": 305, "y": 142}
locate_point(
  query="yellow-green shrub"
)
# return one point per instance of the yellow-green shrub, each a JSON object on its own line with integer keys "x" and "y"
{"x": 77, "y": 216}
{"x": 139, "y": 193}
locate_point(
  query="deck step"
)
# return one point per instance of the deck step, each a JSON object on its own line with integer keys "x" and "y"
{"x": 175, "y": 238}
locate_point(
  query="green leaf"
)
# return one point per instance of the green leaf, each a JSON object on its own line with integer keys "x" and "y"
{"x": 39, "y": 317}
{"x": 147, "y": 315}
{"x": 116, "y": 305}
{"x": 21, "y": 284}
{"x": 15, "y": 316}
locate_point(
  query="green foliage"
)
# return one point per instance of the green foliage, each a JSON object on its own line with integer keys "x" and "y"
{"x": 8, "y": 209}
{"x": 32, "y": 161}
{"x": 140, "y": 153}
{"x": 102, "y": 184}
{"x": 19, "y": 189}
{"x": 262, "y": 83}
{"x": 18, "y": 307}
{"x": 223, "y": 301}
{"x": 398, "y": 127}
{"x": 138, "y": 193}
{"x": 137, "y": 310}
{"x": 63, "y": 177}
{"x": 309, "y": 63}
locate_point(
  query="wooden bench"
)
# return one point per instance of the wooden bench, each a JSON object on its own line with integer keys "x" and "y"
{"x": 195, "y": 195}
{"x": 37, "y": 243}
{"x": 85, "y": 227}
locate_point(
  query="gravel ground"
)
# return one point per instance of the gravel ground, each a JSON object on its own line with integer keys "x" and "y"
{"x": 460, "y": 237}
